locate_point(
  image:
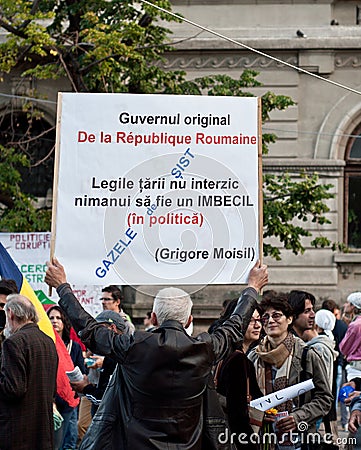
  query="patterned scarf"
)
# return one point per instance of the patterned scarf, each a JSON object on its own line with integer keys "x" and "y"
{"x": 279, "y": 358}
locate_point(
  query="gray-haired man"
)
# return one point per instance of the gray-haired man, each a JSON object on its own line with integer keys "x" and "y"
{"x": 27, "y": 380}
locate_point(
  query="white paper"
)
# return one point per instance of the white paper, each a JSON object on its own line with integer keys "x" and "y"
{"x": 281, "y": 396}
{"x": 74, "y": 375}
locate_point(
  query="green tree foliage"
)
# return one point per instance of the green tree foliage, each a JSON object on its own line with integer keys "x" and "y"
{"x": 119, "y": 46}
{"x": 287, "y": 205}
{"x": 18, "y": 210}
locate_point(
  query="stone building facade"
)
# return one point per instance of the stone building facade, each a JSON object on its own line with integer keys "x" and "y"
{"x": 318, "y": 134}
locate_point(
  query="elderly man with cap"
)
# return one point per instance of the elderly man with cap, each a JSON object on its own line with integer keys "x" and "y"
{"x": 94, "y": 393}
{"x": 350, "y": 346}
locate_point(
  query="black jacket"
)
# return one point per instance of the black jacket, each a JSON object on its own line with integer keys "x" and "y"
{"x": 237, "y": 380}
{"x": 157, "y": 394}
{"x": 95, "y": 393}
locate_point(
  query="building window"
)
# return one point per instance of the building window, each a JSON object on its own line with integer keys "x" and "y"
{"x": 353, "y": 191}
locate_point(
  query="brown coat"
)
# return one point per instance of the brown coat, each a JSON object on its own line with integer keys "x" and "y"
{"x": 27, "y": 389}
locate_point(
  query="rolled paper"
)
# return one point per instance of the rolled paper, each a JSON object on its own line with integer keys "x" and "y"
{"x": 74, "y": 375}
{"x": 277, "y": 398}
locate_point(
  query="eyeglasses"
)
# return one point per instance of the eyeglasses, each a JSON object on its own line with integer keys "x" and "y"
{"x": 276, "y": 316}
{"x": 107, "y": 300}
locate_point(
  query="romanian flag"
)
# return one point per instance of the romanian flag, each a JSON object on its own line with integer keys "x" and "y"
{"x": 8, "y": 269}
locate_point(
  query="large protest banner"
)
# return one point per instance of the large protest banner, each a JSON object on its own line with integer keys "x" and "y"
{"x": 157, "y": 189}
{"x": 30, "y": 251}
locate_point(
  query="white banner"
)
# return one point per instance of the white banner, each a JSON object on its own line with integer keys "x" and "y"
{"x": 31, "y": 251}
{"x": 277, "y": 398}
{"x": 157, "y": 189}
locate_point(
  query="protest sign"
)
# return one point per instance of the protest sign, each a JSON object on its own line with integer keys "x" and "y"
{"x": 30, "y": 251}
{"x": 157, "y": 189}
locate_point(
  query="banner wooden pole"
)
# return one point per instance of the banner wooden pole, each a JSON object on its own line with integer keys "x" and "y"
{"x": 56, "y": 178}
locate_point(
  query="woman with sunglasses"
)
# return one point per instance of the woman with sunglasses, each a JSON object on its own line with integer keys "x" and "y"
{"x": 281, "y": 361}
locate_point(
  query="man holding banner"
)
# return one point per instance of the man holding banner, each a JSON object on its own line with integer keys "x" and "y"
{"x": 156, "y": 397}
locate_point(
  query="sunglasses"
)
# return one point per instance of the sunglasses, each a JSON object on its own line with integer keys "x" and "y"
{"x": 276, "y": 316}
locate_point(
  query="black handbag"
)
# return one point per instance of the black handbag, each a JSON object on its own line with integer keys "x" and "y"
{"x": 214, "y": 422}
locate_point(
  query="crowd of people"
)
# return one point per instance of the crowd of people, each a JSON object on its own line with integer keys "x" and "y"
{"x": 160, "y": 387}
